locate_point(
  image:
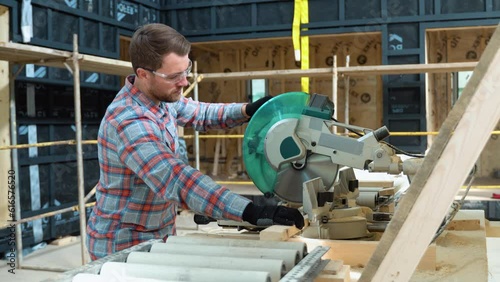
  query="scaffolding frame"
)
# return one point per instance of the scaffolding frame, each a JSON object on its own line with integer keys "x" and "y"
{"x": 22, "y": 54}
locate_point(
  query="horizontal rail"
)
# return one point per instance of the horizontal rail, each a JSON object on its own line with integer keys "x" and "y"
{"x": 208, "y": 136}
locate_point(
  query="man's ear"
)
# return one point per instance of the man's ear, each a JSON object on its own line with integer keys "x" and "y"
{"x": 142, "y": 73}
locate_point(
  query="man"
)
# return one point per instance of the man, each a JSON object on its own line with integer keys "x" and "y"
{"x": 142, "y": 179}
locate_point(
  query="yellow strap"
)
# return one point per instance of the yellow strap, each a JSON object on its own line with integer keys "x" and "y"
{"x": 304, "y": 64}
{"x": 304, "y": 44}
{"x": 296, "y": 29}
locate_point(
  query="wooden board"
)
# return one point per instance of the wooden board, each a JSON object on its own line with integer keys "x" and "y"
{"x": 376, "y": 183}
{"x": 357, "y": 253}
{"x": 343, "y": 275}
{"x": 464, "y": 225}
{"x": 445, "y": 169}
{"x": 29, "y": 54}
{"x": 5, "y": 161}
{"x": 460, "y": 255}
{"x": 278, "y": 233}
{"x": 492, "y": 228}
{"x": 438, "y": 94}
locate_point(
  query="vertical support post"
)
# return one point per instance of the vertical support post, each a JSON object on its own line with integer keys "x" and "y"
{"x": 335, "y": 82}
{"x": 196, "y": 133}
{"x": 346, "y": 88}
{"x": 79, "y": 151}
{"x": 15, "y": 165}
{"x": 240, "y": 129}
{"x": 8, "y": 107}
{"x": 215, "y": 168}
{"x": 5, "y": 158}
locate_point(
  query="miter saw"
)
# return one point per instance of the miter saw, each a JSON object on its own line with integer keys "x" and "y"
{"x": 290, "y": 150}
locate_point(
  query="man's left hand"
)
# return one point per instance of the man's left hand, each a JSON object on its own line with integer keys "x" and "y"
{"x": 251, "y": 108}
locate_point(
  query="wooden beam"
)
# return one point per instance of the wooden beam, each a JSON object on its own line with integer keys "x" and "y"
{"x": 15, "y": 52}
{"x": 5, "y": 160}
{"x": 343, "y": 275}
{"x": 278, "y": 233}
{"x": 105, "y": 65}
{"x": 467, "y": 28}
{"x": 444, "y": 170}
{"x": 22, "y": 53}
{"x": 351, "y": 71}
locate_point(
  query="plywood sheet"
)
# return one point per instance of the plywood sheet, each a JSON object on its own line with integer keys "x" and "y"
{"x": 452, "y": 46}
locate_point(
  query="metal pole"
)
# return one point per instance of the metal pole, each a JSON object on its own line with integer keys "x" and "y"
{"x": 335, "y": 80}
{"x": 90, "y": 194}
{"x": 196, "y": 133}
{"x": 52, "y": 213}
{"x": 79, "y": 151}
{"x": 15, "y": 165}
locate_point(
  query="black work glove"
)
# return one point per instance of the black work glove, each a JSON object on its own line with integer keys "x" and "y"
{"x": 253, "y": 107}
{"x": 269, "y": 215}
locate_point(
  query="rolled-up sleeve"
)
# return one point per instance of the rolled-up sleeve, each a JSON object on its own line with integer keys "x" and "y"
{"x": 205, "y": 116}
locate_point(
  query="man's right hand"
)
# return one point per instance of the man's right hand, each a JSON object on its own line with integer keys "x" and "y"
{"x": 269, "y": 215}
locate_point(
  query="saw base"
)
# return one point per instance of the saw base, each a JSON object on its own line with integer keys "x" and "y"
{"x": 336, "y": 229}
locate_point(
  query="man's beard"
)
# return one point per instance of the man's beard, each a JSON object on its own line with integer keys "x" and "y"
{"x": 168, "y": 97}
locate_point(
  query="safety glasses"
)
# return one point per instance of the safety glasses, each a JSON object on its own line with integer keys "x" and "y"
{"x": 174, "y": 77}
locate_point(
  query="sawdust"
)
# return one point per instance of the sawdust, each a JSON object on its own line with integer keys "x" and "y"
{"x": 453, "y": 239}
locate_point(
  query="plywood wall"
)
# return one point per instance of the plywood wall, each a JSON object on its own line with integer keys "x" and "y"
{"x": 365, "y": 93}
{"x": 450, "y": 46}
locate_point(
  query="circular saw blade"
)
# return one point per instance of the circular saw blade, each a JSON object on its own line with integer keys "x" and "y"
{"x": 287, "y": 105}
{"x": 289, "y": 180}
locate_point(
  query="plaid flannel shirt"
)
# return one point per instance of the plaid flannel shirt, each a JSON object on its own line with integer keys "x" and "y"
{"x": 142, "y": 179}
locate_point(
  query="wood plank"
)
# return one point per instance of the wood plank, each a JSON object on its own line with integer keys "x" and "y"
{"x": 22, "y": 53}
{"x": 278, "y": 233}
{"x": 357, "y": 253}
{"x": 492, "y": 228}
{"x": 376, "y": 183}
{"x": 446, "y": 167}
{"x": 333, "y": 267}
{"x": 344, "y": 275}
{"x": 464, "y": 225}
{"x": 65, "y": 240}
{"x": 438, "y": 98}
{"x": 352, "y": 71}
{"x": 471, "y": 215}
{"x": 386, "y": 192}
{"x": 5, "y": 161}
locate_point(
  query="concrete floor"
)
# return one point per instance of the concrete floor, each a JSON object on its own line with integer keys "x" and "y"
{"x": 69, "y": 256}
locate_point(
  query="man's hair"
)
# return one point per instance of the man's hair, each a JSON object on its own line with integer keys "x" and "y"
{"x": 151, "y": 42}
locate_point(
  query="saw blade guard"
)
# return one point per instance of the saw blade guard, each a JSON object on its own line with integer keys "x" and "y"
{"x": 284, "y": 106}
